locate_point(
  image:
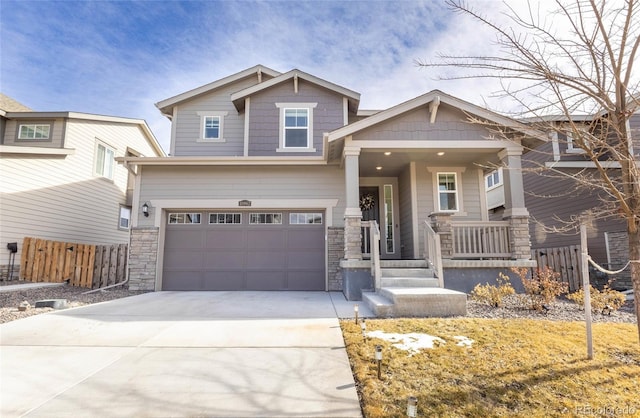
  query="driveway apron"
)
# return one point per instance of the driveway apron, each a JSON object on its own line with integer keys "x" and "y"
{"x": 181, "y": 354}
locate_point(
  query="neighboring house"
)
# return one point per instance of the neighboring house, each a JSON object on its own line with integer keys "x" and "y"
{"x": 271, "y": 175}
{"x": 551, "y": 199}
{"x": 59, "y": 176}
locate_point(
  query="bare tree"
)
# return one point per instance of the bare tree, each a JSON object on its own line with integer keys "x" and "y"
{"x": 578, "y": 60}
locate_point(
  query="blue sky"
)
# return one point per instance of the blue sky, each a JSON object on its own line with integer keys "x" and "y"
{"x": 120, "y": 57}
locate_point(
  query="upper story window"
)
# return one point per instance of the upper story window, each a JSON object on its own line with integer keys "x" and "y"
{"x": 494, "y": 179}
{"x": 34, "y": 131}
{"x": 104, "y": 161}
{"x": 296, "y": 127}
{"x": 211, "y": 126}
{"x": 571, "y": 146}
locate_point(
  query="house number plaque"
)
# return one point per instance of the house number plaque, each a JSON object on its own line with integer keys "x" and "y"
{"x": 244, "y": 203}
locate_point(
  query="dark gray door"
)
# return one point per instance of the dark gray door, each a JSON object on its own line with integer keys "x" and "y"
{"x": 259, "y": 250}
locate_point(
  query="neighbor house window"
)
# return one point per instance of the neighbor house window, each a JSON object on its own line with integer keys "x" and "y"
{"x": 265, "y": 218}
{"x": 34, "y": 131}
{"x": 571, "y": 146}
{"x": 125, "y": 217}
{"x": 296, "y": 126}
{"x": 104, "y": 160}
{"x": 211, "y": 126}
{"x": 184, "y": 218}
{"x": 447, "y": 192}
{"x": 494, "y": 179}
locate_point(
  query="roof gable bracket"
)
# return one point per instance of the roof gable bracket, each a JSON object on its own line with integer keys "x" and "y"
{"x": 259, "y": 72}
{"x": 295, "y": 83}
{"x": 433, "y": 109}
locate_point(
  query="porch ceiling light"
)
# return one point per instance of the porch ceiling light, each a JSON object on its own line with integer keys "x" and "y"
{"x": 387, "y": 153}
{"x": 145, "y": 210}
{"x": 440, "y": 154}
{"x": 379, "y": 168}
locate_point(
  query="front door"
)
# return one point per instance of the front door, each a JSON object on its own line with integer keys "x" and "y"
{"x": 378, "y": 203}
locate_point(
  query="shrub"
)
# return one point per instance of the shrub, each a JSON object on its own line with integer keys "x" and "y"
{"x": 605, "y": 301}
{"x": 542, "y": 289}
{"x": 491, "y": 294}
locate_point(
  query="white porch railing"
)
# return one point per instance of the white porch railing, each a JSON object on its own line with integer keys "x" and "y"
{"x": 371, "y": 235}
{"x": 433, "y": 252}
{"x": 481, "y": 240}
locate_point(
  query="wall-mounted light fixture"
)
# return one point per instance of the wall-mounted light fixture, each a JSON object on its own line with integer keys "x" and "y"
{"x": 145, "y": 210}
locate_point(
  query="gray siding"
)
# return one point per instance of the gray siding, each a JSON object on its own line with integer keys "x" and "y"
{"x": 552, "y": 200}
{"x": 634, "y": 123}
{"x": 187, "y": 123}
{"x": 56, "y": 139}
{"x": 406, "y": 215}
{"x": 450, "y": 125}
{"x": 264, "y": 123}
{"x": 252, "y": 183}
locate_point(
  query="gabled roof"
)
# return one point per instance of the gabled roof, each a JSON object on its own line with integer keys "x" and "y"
{"x": 91, "y": 117}
{"x": 166, "y": 106}
{"x": 352, "y": 96}
{"x": 437, "y": 97}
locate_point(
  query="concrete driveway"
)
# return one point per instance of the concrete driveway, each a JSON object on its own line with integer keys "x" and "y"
{"x": 175, "y": 354}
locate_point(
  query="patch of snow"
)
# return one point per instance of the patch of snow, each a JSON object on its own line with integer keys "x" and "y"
{"x": 412, "y": 342}
{"x": 463, "y": 341}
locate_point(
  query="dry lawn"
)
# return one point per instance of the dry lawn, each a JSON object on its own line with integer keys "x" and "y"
{"x": 515, "y": 368}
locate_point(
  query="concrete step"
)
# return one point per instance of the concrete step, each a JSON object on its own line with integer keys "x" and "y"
{"x": 406, "y": 272}
{"x": 379, "y": 305}
{"x": 418, "y": 302}
{"x": 409, "y": 282}
{"x": 403, "y": 264}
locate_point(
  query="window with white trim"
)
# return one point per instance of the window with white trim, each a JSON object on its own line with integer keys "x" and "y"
{"x": 34, "y": 131}
{"x": 184, "y": 218}
{"x": 296, "y": 127}
{"x": 265, "y": 218}
{"x": 571, "y": 147}
{"x": 125, "y": 217}
{"x": 447, "y": 192}
{"x": 305, "y": 218}
{"x": 225, "y": 218}
{"x": 211, "y": 126}
{"x": 104, "y": 161}
{"x": 493, "y": 179}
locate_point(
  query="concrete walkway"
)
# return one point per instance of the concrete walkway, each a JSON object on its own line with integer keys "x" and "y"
{"x": 178, "y": 354}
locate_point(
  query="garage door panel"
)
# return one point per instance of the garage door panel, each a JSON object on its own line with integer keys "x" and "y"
{"x": 305, "y": 280}
{"x": 182, "y": 280}
{"x": 181, "y": 259}
{"x": 304, "y": 237}
{"x": 225, "y": 260}
{"x": 223, "y": 280}
{"x": 188, "y": 238}
{"x": 266, "y": 238}
{"x": 269, "y": 260}
{"x": 303, "y": 260}
{"x": 231, "y": 237}
{"x": 266, "y": 280}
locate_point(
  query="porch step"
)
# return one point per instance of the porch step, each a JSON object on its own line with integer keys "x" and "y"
{"x": 406, "y": 272}
{"x": 403, "y": 264}
{"x": 408, "y": 281}
{"x": 416, "y": 302}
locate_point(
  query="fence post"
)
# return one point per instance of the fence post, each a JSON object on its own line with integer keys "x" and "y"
{"x": 587, "y": 288}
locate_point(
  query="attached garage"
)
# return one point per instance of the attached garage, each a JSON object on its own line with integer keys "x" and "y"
{"x": 244, "y": 250}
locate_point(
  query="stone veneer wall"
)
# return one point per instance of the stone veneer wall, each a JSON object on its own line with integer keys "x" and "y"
{"x": 520, "y": 240}
{"x": 143, "y": 256}
{"x": 335, "y": 248}
{"x": 619, "y": 253}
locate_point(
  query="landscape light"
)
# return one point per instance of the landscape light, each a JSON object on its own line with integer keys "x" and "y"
{"x": 355, "y": 311}
{"x": 412, "y": 406}
{"x": 379, "y": 360}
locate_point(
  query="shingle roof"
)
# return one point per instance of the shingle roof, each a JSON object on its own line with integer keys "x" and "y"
{"x": 10, "y": 105}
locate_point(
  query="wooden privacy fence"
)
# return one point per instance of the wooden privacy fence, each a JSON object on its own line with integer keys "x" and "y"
{"x": 563, "y": 260}
{"x": 83, "y": 265}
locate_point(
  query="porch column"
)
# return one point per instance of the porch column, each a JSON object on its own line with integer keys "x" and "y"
{"x": 515, "y": 210}
{"x": 352, "y": 213}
